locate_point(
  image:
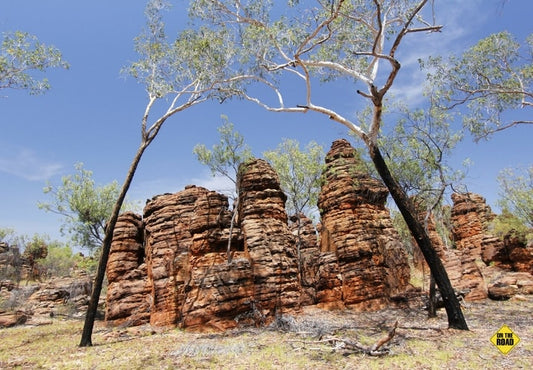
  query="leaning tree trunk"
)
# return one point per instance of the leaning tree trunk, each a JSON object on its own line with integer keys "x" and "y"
{"x": 456, "y": 319}
{"x": 106, "y": 247}
{"x": 432, "y": 298}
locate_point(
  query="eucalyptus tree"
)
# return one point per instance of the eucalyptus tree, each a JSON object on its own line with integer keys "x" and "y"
{"x": 493, "y": 78}
{"x": 177, "y": 75}
{"x": 516, "y": 194}
{"x": 417, "y": 151}
{"x": 22, "y": 58}
{"x": 300, "y": 174}
{"x": 225, "y": 159}
{"x": 292, "y": 47}
{"x": 84, "y": 206}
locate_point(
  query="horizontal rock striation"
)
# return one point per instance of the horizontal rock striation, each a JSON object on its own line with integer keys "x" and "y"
{"x": 365, "y": 255}
{"x": 127, "y": 295}
{"x": 268, "y": 241}
{"x": 190, "y": 262}
{"x": 185, "y": 234}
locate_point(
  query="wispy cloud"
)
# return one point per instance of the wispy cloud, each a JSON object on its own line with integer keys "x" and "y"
{"x": 460, "y": 20}
{"x": 27, "y": 164}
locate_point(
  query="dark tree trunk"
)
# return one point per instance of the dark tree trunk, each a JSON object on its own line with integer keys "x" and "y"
{"x": 432, "y": 299}
{"x": 86, "y": 336}
{"x": 456, "y": 319}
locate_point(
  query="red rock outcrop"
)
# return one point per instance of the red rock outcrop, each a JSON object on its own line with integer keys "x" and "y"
{"x": 450, "y": 260}
{"x": 173, "y": 267}
{"x": 503, "y": 284}
{"x": 306, "y": 238}
{"x": 191, "y": 283}
{"x": 513, "y": 254}
{"x": 267, "y": 239}
{"x": 470, "y": 217}
{"x": 370, "y": 261}
{"x": 127, "y": 291}
{"x": 192, "y": 280}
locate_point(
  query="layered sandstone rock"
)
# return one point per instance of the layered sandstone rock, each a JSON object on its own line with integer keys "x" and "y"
{"x": 12, "y": 318}
{"x": 470, "y": 217}
{"x": 128, "y": 292}
{"x": 503, "y": 284}
{"x": 268, "y": 241}
{"x": 450, "y": 259}
{"x": 308, "y": 251}
{"x": 186, "y": 236}
{"x": 194, "y": 282}
{"x": 174, "y": 267}
{"x": 61, "y": 294}
{"x": 370, "y": 262}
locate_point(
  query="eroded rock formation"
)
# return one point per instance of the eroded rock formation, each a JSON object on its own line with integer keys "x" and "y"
{"x": 127, "y": 291}
{"x": 512, "y": 254}
{"x": 172, "y": 267}
{"x": 190, "y": 280}
{"x": 357, "y": 232}
{"x": 470, "y": 217}
{"x": 268, "y": 241}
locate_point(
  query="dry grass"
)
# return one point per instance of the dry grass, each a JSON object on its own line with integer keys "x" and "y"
{"x": 420, "y": 343}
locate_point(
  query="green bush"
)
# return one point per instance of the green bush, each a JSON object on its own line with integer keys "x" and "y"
{"x": 59, "y": 261}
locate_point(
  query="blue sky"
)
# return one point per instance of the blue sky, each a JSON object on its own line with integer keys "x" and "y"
{"x": 92, "y": 113}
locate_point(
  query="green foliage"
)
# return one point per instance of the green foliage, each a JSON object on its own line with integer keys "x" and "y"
{"x": 516, "y": 194}
{"x": 417, "y": 150}
{"x": 195, "y": 62}
{"x": 506, "y": 222}
{"x": 225, "y": 157}
{"x": 493, "y": 77}
{"x": 21, "y": 55}
{"x": 36, "y": 248}
{"x": 87, "y": 264}
{"x": 59, "y": 260}
{"x": 84, "y": 206}
{"x": 6, "y": 234}
{"x": 300, "y": 174}
{"x": 401, "y": 227}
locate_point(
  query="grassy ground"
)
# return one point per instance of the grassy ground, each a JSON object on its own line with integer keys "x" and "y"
{"x": 419, "y": 343}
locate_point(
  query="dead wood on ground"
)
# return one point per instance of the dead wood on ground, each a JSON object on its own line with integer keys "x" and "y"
{"x": 349, "y": 346}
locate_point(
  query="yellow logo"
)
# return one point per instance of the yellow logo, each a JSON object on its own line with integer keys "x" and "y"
{"x": 505, "y": 339}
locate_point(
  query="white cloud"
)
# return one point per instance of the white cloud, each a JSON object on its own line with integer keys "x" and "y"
{"x": 461, "y": 19}
{"x": 27, "y": 164}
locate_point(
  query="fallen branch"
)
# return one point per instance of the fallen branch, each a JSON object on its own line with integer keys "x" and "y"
{"x": 349, "y": 346}
{"x": 386, "y": 338}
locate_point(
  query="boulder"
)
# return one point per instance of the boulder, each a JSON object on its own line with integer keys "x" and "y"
{"x": 9, "y": 319}
{"x": 503, "y": 285}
